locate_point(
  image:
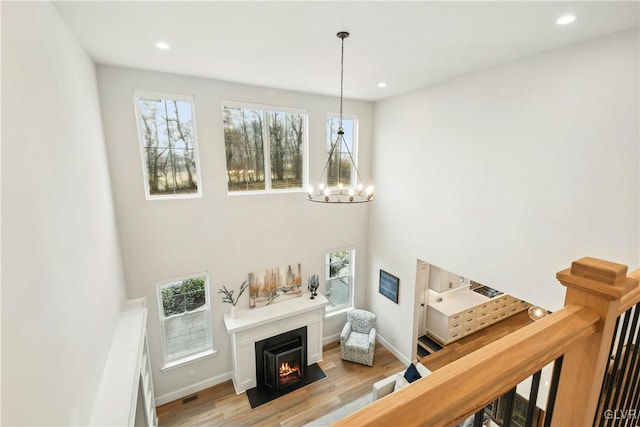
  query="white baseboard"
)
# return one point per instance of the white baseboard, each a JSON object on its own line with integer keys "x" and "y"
{"x": 386, "y": 344}
{"x": 330, "y": 338}
{"x": 193, "y": 388}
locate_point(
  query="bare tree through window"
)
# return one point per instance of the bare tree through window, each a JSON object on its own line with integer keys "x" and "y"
{"x": 264, "y": 148}
{"x": 169, "y": 146}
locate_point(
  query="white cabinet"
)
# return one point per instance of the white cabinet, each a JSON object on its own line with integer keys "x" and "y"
{"x": 442, "y": 280}
{"x": 125, "y": 396}
{"x": 447, "y": 328}
{"x": 437, "y": 324}
{"x": 146, "y": 392}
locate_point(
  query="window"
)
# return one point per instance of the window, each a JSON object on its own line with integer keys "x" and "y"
{"x": 185, "y": 319}
{"x": 337, "y": 162}
{"x": 339, "y": 283}
{"x": 169, "y": 150}
{"x": 264, "y": 148}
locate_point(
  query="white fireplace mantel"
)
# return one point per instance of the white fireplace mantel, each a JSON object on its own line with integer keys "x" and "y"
{"x": 253, "y": 325}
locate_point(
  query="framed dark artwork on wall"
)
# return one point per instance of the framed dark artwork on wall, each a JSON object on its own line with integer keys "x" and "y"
{"x": 389, "y": 285}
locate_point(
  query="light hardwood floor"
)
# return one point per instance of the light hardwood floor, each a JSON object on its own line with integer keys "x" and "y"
{"x": 345, "y": 382}
{"x": 473, "y": 342}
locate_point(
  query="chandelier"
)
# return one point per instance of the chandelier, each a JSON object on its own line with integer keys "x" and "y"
{"x": 354, "y": 191}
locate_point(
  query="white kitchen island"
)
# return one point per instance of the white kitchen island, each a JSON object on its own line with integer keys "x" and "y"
{"x": 458, "y": 313}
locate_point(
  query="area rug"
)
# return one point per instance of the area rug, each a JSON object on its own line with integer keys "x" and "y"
{"x": 431, "y": 345}
{"x": 261, "y": 395}
{"x": 340, "y": 413}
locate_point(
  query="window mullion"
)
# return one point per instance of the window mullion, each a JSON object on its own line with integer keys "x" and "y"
{"x": 267, "y": 150}
{"x": 171, "y": 154}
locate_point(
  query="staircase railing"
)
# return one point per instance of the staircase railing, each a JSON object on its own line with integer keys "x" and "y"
{"x": 581, "y": 334}
{"x": 619, "y": 403}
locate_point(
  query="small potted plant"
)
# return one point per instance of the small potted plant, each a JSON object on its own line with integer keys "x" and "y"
{"x": 227, "y": 296}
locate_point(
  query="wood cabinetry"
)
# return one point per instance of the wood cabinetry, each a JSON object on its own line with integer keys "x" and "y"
{"x": 448, "y": 328}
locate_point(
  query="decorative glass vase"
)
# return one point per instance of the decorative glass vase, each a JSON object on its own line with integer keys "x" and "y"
{"x": 234, "y": 313}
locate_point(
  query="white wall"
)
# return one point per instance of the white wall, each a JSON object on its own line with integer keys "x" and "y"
{"x": 228, "y": 236}
{"x": 62, "y": 281}
{"x": 507, "y": 175}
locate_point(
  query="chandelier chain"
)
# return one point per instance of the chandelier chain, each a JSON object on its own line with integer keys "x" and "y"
{"x": 341, "y": 77}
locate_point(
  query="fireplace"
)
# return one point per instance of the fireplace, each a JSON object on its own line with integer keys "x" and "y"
{"x": 283, "y": 364}
{"x": 281, "y": 360}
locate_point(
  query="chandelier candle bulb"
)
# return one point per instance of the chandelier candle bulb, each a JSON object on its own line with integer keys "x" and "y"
{"x": 369, "y": 192}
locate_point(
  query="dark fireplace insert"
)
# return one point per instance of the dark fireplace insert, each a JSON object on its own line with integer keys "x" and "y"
{"x": 283, "y": 364}
{"x": 281, "y": 360}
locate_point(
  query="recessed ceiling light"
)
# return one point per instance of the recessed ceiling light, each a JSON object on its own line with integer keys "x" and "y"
{"x": 163, "y": 45}
{"x": 566, "y": 19}
{"x": 382, "y": 84}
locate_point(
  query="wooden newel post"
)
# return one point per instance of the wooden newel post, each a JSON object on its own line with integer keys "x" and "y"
{"x": 598, "y": 285}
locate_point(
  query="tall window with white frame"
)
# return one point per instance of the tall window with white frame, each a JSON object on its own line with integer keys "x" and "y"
{"x": 265, "y": 147}
{"x": 168, "y": 145}
{"x": 339, "y": 164}
{"x": 185, "y": 318}
{"x": 339, "y": 279}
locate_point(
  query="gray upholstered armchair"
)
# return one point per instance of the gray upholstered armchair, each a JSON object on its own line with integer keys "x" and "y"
{"x": 358, "y": 337}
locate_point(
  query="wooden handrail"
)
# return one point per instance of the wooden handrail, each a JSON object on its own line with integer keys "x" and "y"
{"x": 632, "y": 298}
{"x": 582, "y": 332}
{"x": 478, "y": 378}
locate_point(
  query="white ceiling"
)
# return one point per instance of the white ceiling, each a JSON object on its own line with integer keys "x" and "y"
{"x": 292, "y": 45}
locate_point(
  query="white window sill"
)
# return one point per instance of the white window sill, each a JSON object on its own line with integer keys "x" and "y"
{"x": 189, "y": 359}
{"x": 266, "y": 192}
{"x": 337, "y": 312}
{"x": 178, "y": 196}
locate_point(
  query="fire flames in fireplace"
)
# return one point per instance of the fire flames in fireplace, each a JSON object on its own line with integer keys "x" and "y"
{"x": 289, "y": 373}
{"x": 282, "y": 361}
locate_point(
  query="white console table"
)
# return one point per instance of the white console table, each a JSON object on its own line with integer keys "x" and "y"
{"x": 253, "y": 325}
